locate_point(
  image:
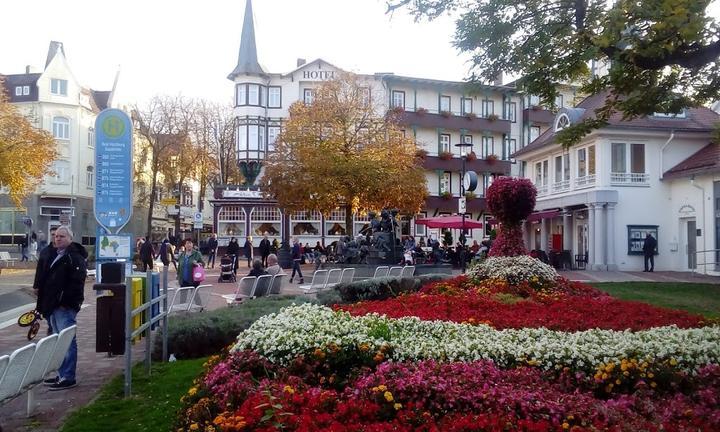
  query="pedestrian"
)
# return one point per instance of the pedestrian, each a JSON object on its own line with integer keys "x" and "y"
{"x": 257, "y": 269}
{"x": 188, "y": 259}
{"x": 649, "y": 246}
{"x": 41, "y": 240}
{"x": 264, "y": 249}
{"x": 273, "y": 267}
{"x": 166, "y": 254}
{"x": 296, "y": 257}
{"x": 147, "y": 255}
{"x": 212, "y": 250}
{"x": 248, "y": 250}
{"x": 233, "y": 250}
{"x": 60, "y": 283}
{"x": 33, "y": 249}
{"x": 24, "y": 248}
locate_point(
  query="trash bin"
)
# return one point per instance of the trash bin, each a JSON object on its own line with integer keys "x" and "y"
{"x": 110, "y": 320}
{"x": 137, "y": 299}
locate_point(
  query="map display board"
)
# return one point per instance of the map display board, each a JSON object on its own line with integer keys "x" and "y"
{"x": 114, "y": 246}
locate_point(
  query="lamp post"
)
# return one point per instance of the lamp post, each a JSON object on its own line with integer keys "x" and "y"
{"x": 461, "y": 208}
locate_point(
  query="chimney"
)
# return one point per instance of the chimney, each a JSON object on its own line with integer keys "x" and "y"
{"x": 27, "y": 69}
{"x": 300, "y": 62}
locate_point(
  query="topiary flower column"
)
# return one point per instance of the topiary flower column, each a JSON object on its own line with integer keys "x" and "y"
{"x": 510, "y": 200}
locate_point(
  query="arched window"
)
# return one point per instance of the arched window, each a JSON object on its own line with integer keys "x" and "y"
{"x": 562, "y": 121}
{"x": 61, "y": 128}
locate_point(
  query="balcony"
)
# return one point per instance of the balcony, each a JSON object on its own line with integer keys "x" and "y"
{"x": 561, "y": 186}
{"x": 585, "y": 181}
{"x": 630, "y": 179}
{"x": 473, "y": 205}
{"x": 538, "y": 115}
{"x": 456, "y": 122}
{"x": 542, "y": 190}
{"x": 477, "y": 165}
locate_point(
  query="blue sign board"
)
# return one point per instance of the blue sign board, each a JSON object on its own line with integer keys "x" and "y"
{"x": 113, "y": 165}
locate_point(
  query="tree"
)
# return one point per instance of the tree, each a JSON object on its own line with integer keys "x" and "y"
{"x": 662, "y": 54}
{"x": 26, "y": 152}
{"x": 341, "y": 151}
{"x": 510, "y": 200}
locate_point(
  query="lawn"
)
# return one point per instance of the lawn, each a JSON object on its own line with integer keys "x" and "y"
{"x": 701, "y": 299}
{"x": 152, "y": 407}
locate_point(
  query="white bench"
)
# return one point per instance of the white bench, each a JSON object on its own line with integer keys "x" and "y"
{"x": 319, "y": 279}
{"x": 26, "y": 367}
{"x": 7, "y": 259}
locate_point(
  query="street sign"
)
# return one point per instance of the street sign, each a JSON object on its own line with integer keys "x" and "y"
{"x": 65, "y": 218}
{"x": 462, "y": 205}
{"x": 27, "y": 221}
{"x": 197, "y": 217}
{"x": 113, "y": 164}
{"x": 197, "y": 225}
{"x": 168, "y": 201}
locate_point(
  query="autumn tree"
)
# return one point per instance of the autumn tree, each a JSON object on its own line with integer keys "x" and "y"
{"x": 343, "y": 151}
{"x": 26, "y": 152}
{"x": 662, "y": 55}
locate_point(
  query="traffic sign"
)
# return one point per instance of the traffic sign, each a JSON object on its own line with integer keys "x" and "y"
{"x": 198, "y": 218}
{"x": 462, "y": 205}
{"x": 168, "y": 201}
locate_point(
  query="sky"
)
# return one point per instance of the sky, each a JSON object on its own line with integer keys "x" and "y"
{"x": 189, "y": 47}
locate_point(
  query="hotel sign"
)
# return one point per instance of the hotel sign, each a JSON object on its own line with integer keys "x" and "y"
{"x": 241, "y": 194}
{"x": 318, "y": 75}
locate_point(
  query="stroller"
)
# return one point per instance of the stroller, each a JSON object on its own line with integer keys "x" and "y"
{"x": 226, "y": 269}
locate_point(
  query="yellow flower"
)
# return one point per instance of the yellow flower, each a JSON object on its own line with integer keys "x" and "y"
{"x": 194, "y": 427}
{"x": 651, "y": 375}
{"x": 388, "y": 396}
{"x": 617, "y": 381}
{"x": 653, "y": 384}
{"x": 382, "y": 387}
{"x": 192, "y": 391}
{"x": 566, "y": 425}
{"x": 364, "y": 347}
{"x": 397, "y": 406}
{"x": 288, "y": 389}
{"x": 673, "y": 362}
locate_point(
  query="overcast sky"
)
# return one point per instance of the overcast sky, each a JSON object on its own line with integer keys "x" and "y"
{"x": 189, "y": 47}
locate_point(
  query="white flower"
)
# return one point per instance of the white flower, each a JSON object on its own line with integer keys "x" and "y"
{"x": 515, "y": 269}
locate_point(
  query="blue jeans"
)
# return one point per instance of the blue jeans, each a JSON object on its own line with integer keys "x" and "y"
{"x": 60, "y": 319}
{"x": 296, "y": 268}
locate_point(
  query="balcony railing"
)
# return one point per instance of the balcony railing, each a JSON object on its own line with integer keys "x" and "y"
{"x": 561, "y": 186}
{"x": 585, "y": 181}
{"x": 639, "y": 179}
{"x": 455, "y": 121}
{"x": 541, "y": 189}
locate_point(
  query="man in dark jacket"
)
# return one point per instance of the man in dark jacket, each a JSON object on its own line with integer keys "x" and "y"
{"x": 248, "y": 250}
{"x": 264, "y": 250}
{"x": 649, "y": 246}
{"x": 147, "y": 254}
{"x": 60, "y": 283}
{"x": 212, "y": 250}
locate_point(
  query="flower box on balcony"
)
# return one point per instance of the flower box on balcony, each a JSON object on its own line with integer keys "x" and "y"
{"x": 491, "y": 159}
{"x": 397, "y": 110}
{"x": 445, "y": 195}
{"x": 470, "y": 156}
{"x": 470, "y": 195}
{"x": 421, "y": 111}
{"x": 470, "y": 115}
{"x": 421, "y": 153}
{"x": 445, "y": 155}
{"x": 445, "y": 114}
{"x": 493, "y": 117}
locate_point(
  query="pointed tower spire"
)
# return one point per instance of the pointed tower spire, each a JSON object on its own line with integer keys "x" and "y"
{"x": 247, "y": 58}
{"x": 55, "y": 46}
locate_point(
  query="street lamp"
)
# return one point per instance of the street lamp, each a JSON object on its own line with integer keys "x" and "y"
{"x": 462, "y": 204}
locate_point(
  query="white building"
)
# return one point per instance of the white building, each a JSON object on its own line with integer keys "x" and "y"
{"x": 54, "y": 100}
{"x": 657, "y": 174}
{"x": 495, "y": 119}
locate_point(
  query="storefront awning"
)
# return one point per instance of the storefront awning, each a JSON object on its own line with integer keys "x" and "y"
{"x": 547, "y": 214}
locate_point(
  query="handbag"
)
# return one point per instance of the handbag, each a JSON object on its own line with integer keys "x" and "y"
{"x": 198, "y": 273}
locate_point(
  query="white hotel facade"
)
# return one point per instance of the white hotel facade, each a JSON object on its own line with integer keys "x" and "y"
{"x": 495, "y": 119}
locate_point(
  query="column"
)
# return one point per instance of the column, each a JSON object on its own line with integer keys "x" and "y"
{"x": 567, "y": 230}
{"x": 526, "y": 236}
{"x": 600, "y": 233}
{"x": 591, "y": 236}
{"x": 611, "y": 265}
{"x": 543, "y": 235}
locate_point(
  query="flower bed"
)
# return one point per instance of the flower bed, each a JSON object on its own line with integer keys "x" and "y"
{"x": 486, "y": 353}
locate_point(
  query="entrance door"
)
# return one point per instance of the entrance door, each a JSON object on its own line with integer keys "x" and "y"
{"x": 691, "y": 244}
{"x": 582, "y": 239}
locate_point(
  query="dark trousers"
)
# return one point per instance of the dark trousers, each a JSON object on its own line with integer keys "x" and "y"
{"x": 296, "y": 268}
{"x": 211, "y": 259}
{"x": 147, "y": 264}
{"x": 264, "y": 259}
{"x": 650, "y": 258}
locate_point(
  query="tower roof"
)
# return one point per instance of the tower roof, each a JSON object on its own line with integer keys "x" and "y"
{"x": 55, "y": 46}
{"x": 247, "y": 57}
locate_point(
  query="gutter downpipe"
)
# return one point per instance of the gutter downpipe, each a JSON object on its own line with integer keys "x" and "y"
{"x": 702, "y": 189}
{"x": 662, "y": 151}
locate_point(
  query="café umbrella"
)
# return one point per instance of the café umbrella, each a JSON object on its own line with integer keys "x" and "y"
{"x": 452, "y": 222}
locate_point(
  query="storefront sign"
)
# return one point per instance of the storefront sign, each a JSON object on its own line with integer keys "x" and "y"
{"x": 241, "y": 194}
{"x": 319, "y": 75}
{"x": 113, "y": 162}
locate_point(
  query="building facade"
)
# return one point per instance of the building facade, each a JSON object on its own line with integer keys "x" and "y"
{"x": 599, "y": 199}
{"x": 53, "y": 100}
{"x": 495, "y": 119}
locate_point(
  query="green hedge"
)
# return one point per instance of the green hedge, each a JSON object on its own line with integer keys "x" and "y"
{"x": 200, "y": 334}
{"x": 381, "y": 288}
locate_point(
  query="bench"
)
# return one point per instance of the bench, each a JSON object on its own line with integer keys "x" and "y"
{"x": 26, "y": 367}
{"x": 7, "y": 259}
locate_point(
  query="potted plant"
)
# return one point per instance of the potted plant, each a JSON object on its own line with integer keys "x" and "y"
{"x": 421, "y": 111}
{"x": 470, "y": 115}
{"x": 421, "y": 153}
{"x": 445, "y": 195}
{"x": 471, "y": 156}
{"x": 470, "y": 195}
{"x": 493, "y": 117}
{"x": 445, "y": 114}
{"x": 445, "y": 155}
{"x": 491, "y": 159}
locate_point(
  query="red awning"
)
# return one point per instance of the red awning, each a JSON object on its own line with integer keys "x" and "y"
{"x": 547, "y": 214}
{"x": 449, "y": 222}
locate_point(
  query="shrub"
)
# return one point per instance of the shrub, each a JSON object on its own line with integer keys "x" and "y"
{"x": 194, "y": 335}
{"x": 515, "y": 270}
{"x": 421, "y": 153}
{"x": 510, "y": 200}
{"x": 383, "y": 288}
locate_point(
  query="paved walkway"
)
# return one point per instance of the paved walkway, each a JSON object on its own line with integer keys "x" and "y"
{"x": 96, "y": 369}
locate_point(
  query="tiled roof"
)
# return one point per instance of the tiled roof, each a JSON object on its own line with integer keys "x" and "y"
{"x": 696, "y": 119}
{"x": 705, "y": 160}
{"x": 100, "y": 99}
{"x": 12, "y": 81}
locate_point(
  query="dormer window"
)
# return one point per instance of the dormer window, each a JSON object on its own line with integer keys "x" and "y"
{"x": 58, "y": 87}
{"x": 561, "y": 122}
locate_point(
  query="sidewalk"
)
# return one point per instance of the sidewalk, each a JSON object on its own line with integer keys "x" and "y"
{"x": 96, "y": 369}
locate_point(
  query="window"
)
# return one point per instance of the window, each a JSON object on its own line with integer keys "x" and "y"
{"x": 273, "y": 132}
{"x": 90, "y": 177}
{"x": 466, "y": 139}
{"x": 445, "y": 103}
{"x": 562, "y": 168}
{"x": 582, "y": 162}
{"x": 91, "y": 137}
{"x": 637, "y": 158}
{"x": 187, "y": 196}
{"x": 488, "y": 107}
{"x": 591, "y": 160}
{"x": 511, "y": 111}
{"x": 251, "y": 141}
{"x": 58, "y": 87}
{"x": 534, "y": 100}
{"x": 61, "y": 128}
{"x": 241, "y": 94}
{"x": 534, "y": 133}
{"x": 445, "y": 184}
{"x": 274, "y": 97}
{"x": 508, "y": 147}
{"x": 253, "y": 94}
{"x": 308, "y": 96}
{"x": 562, "y": 122}
{"x": 26, "y": 90}
{"x": 18, "y": 91}
{"x": 541, "y": 173}
{"x": 445, "y": 143}
{"x": 559, "y": 101}
{"x": 467, "y": 105}
{"x": 365, "y": 96}
{"x": 618, "y": 164}
{"x": 62, "y": 172}
{"x": 488, "y": 146}
{"x": 398, "y": 99}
